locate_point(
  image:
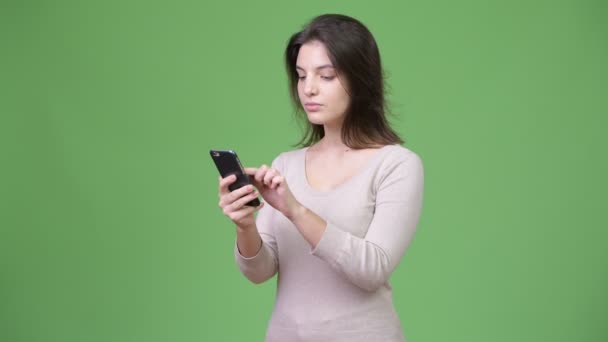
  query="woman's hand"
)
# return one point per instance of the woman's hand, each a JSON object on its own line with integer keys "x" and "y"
{"x": 233, "y": 202}
{"x": 273, "y": 188}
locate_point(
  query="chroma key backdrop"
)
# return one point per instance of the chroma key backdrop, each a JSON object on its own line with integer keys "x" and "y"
{"x": 109, "y": 222}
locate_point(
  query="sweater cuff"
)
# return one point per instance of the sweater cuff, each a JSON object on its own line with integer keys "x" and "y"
{"x": 249, "y": 262}
{"x": 331, "y": 246}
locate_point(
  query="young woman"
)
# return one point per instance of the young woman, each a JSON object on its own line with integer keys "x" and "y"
{"x": 340, "y": 211}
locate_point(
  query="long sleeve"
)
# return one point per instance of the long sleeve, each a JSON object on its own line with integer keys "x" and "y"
{"x": 264, "y": 265}
{"x": 369, "y": 261}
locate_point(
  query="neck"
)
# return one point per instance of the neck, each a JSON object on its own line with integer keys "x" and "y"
{"x": 332, "y": 140}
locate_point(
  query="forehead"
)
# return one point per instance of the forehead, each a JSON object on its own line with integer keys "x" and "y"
{"x": 313, "y": 55}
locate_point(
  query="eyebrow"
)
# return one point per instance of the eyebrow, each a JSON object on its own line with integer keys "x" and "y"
{"x": 317, "y": 68}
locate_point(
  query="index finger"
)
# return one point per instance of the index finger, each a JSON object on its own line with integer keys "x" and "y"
{"x": 251, "y": 171}
{"x": 225, "y": 182}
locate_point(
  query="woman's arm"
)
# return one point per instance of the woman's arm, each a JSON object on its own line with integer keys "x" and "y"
{"x": 248, "y": 241}
{"x": 369, "y": 261}
{"x": 255, "y": 250}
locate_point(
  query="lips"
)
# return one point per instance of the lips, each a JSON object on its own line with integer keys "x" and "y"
{"x": 312, "y": 106}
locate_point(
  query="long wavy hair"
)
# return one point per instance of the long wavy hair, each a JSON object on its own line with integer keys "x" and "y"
{"x": 354, "y": 54}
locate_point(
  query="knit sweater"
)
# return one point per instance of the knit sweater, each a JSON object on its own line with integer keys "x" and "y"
{"x": 339, "y": 290}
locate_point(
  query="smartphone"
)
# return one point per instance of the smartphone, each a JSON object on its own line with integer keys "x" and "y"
{"x": 228, "y": 163}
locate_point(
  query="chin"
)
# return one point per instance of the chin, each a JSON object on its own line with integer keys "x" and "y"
{"x": 315, "y": 118}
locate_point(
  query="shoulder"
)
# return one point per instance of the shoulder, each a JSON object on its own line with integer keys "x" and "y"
{"x": 397, "y": 154}
{"x": 284, "y": 159}
{"x": 399, "y": 161}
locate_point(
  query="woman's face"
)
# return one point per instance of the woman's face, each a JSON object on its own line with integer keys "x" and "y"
{"x": 322, "y": 94}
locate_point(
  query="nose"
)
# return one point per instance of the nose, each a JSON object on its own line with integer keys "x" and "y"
{"x": 310, "y": 86}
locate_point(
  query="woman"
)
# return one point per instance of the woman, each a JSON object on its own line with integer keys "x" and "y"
{"x": 340, "y": 211}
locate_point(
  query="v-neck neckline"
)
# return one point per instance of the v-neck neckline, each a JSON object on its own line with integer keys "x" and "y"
{"x": 371, "y": 161}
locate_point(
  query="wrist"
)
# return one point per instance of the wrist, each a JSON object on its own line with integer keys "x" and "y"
{"x": 296, "y": 213}
{"x": 245, "y": 229}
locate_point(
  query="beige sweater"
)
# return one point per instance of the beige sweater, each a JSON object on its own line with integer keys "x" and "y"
{"x": 339, "y": 291}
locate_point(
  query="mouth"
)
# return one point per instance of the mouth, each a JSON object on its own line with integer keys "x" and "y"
{"x": 312, "y": 106}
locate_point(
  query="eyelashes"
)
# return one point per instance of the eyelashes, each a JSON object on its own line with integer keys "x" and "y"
{"x": 327, "y": 78}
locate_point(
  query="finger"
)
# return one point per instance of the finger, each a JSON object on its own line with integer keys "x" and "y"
{"x": 236, "y": 216}
{"x": 233, "y": 209}
{"x": 259, "y": 175}
{"x": 270, "y": 174}
{"x": 225, "y": 182}
{"x": 276, "y": 181}
{"x": 230, "y": 197}
{"x": 251, "y": 171}
{"x": 240, "y": 203}
{"x": 240, "y": 192}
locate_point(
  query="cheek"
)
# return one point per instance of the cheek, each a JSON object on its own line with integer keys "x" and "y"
{"x": 300, "y": 91}
{"x": 340, "y": 98}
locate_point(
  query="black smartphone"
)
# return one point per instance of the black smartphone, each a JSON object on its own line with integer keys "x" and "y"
{"x": 228, "y": 163}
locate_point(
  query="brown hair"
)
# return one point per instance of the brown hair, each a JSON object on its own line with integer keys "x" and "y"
{"x": 354, "y": 54}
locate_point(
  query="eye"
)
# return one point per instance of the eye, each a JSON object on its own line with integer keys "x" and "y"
{"x": 301, "y": 77}
{"x": 328, "y": 78}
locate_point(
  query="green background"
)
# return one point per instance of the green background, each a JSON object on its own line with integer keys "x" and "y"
{"x": 110, "y": 228}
